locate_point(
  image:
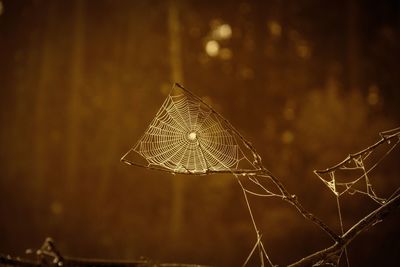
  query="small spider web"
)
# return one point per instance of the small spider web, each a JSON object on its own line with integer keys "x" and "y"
{"x": 357, "y": 168}
{"x": 188, "y": 137}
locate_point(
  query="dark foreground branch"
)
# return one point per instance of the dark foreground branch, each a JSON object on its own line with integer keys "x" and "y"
{"x": 49, "y": 256}
{"x": 332, "y": 253}
{"x": 72, "y": 262}
{"x": 9, "y": 261}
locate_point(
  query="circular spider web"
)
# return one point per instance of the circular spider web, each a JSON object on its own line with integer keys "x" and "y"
{"x": 188, "y": 137}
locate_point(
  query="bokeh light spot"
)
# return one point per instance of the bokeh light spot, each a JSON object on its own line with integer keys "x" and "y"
{"x": 373, "y": 95}
{"x": 226, "y": 53}
{"x": 223, "y": 31}
{"x": 275, "y": 29}
{"x": 303, "y": 50}
{"x": 287, "y": 137}
{"x": 212, "y": 48}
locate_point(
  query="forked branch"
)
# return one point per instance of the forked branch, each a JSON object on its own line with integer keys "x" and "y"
{"x": 364, "y": 224}
{"x": 175, "y": 119}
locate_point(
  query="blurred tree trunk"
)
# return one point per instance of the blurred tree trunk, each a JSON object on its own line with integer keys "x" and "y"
{"x": 353, "y": 44}
{"x": 45, "y": 76}
{"x": 118, "y": 66}
{"x": 74, "y": 112}
{"x": 176, "y": 76}
{"x": 25, "y": 78}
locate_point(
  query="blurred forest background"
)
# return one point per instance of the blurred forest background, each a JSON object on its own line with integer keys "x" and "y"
{"x": 307, "y": 82}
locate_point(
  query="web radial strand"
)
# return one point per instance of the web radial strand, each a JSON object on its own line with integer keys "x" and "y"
{"x": 186, "y": 136}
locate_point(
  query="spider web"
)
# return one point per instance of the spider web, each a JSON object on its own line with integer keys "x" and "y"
{"x": 187, "y": 136}
{"x": 359, "y": 167}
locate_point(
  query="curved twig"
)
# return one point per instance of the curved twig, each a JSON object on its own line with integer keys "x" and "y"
{"x": 384, "y": 138}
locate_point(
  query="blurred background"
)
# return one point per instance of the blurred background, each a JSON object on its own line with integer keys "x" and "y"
{"x": 307, "y": 82}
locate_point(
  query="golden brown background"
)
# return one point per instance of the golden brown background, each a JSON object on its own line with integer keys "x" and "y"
{"x": 307, "y": 82}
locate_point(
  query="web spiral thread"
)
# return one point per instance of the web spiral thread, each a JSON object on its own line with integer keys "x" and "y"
{"x": 186, "y": 136}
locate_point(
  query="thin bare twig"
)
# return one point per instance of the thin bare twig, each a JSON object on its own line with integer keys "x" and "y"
{"x": 292, "y": 199}
{"x": 368, "y": 221}
{"x": 384, "y": 138}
